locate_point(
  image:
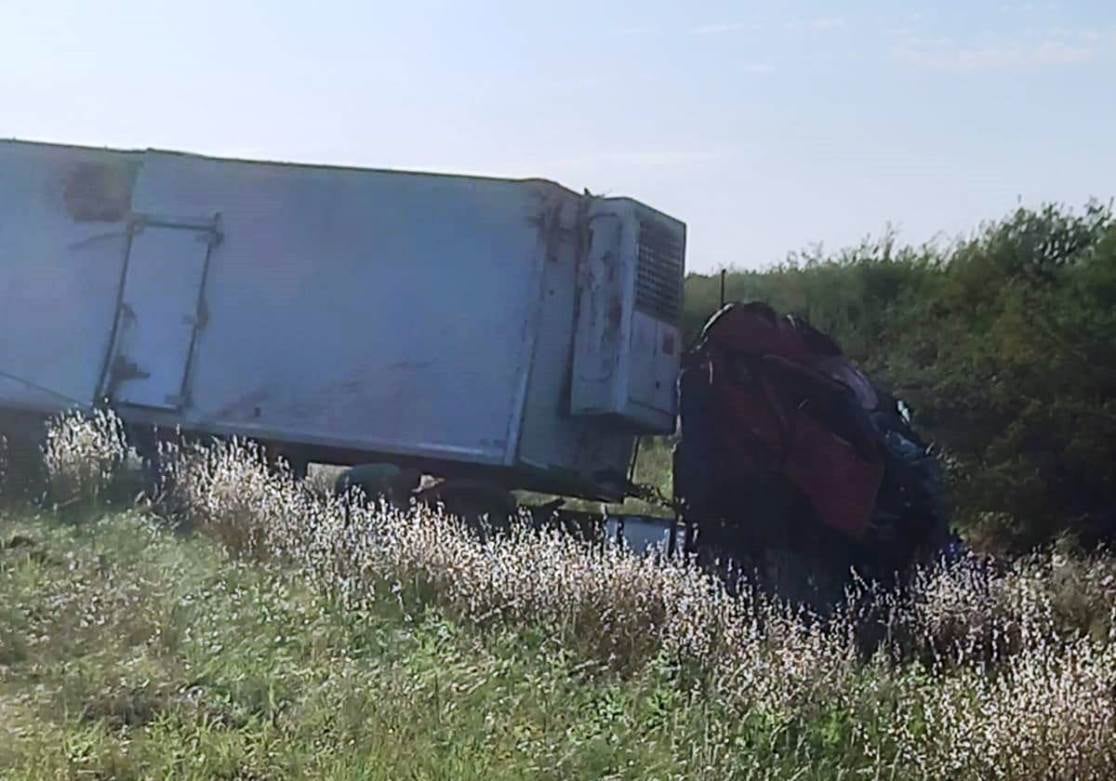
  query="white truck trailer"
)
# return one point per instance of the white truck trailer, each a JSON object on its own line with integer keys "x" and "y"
{"x": 509, "y": 330}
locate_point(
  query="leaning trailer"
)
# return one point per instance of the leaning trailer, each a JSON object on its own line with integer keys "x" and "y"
{"x": 511, "y": 330}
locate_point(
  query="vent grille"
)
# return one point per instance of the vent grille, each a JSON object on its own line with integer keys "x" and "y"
{"x": 659, "y": 271}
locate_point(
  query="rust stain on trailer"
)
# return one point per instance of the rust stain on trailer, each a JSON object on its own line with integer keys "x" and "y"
{"x": 243, "y": 407}
{"x": 99, "y": 192}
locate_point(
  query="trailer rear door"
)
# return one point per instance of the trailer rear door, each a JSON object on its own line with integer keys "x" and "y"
{"x": 158, "y": 315}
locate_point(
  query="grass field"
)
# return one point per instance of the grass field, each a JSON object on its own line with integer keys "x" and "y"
{"x": 129, "y": 652}
{"x": 245, "y": 627}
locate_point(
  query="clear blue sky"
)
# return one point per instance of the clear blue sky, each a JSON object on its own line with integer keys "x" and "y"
{"x": 768, "y": 127}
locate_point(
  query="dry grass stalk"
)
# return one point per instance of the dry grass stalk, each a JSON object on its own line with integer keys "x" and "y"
{"x": 978, "y": 671}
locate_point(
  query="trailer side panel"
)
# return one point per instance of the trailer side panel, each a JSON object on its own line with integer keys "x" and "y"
{"x": 63, "y": 239}
{"x": 381, "y": 311}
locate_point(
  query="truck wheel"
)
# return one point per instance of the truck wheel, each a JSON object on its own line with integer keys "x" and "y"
{"x": 23, "y": 474}
{"x": 395, "y": 484}
{"x": 482, "y": 506}
{"x": 297, "y": 465}
{"x": 910, "y": 524}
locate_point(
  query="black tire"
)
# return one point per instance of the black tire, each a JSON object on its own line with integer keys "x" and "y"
{"x": 909, "y": 525}
{"x": 23, "y": 475}
{"x": 378, "y": 480}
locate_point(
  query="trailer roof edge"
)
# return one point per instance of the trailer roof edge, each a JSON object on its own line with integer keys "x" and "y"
{"x": 288, "y": 163}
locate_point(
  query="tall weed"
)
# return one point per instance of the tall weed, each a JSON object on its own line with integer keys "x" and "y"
{"x": 976, "y": 670}
{"x": 85, "y": 455}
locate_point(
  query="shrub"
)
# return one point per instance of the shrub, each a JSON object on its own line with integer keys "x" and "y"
{"x": 85, "y": 455}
